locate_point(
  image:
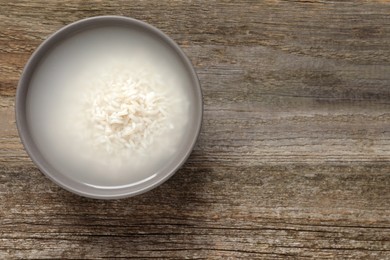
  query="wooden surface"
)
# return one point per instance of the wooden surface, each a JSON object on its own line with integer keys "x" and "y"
{"x": 294, "y": 156}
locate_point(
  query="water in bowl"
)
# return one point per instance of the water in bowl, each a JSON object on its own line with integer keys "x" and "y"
{"x": 110, "y": 106}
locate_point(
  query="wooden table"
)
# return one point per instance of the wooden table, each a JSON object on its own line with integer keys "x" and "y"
{"x": 294, "y": 156}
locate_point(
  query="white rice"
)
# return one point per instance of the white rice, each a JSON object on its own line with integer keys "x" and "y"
{"x": 123, "y": 110}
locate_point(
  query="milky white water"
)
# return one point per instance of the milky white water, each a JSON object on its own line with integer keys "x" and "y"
{"x": 110, "y": 106}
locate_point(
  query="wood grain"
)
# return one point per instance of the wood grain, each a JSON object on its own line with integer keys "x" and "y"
{"x": 294, "y": 156}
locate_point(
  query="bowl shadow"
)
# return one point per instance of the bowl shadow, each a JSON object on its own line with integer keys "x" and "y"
{"x": 162, "y": 214}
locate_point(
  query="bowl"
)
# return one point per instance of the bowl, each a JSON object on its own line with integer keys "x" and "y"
{"x": 48, "y": 51}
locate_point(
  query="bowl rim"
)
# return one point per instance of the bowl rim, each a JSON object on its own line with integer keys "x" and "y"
{"x": 28, "y": 71}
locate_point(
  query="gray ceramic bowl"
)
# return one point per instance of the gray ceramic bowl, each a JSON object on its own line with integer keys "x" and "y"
{"x": 61, "y": 178}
